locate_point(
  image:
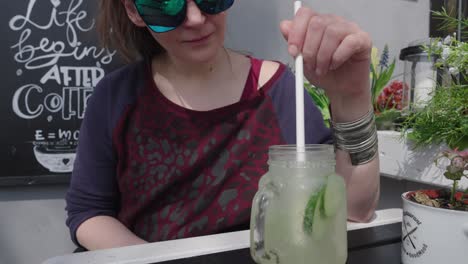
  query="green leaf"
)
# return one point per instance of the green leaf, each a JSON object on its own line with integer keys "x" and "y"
{"x": 374, "y": 80}
{"x": 460, "y": 144}
{"x": 443, "y": 120}
{"x": 386, "y": 119}
{"x": 453, "y": 176}
{"x": 378, "y": 84}
{"x": 321, "y": 101}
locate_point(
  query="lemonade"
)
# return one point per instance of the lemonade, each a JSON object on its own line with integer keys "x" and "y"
{"x": 299, "y": 216}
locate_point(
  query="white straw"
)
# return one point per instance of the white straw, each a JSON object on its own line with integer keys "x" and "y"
{"x": 300, "y": 138}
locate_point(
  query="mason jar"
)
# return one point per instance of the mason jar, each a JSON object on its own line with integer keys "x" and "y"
{"x": 299, "y": 212}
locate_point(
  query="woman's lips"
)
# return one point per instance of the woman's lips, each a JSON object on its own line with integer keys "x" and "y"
{"x": 198, "y": 40}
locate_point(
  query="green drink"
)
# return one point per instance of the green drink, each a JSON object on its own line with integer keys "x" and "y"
{"x": 299, "y": 212}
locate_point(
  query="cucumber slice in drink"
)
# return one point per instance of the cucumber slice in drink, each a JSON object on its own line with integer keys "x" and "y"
{"x": 320, "y": 223}
{"x": 312, "y": 210}
{"x": 333, "y": 196}
{"x": 322, "y": 205}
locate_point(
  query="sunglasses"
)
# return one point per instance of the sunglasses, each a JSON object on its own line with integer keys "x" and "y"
{"x": 166, "y": 15}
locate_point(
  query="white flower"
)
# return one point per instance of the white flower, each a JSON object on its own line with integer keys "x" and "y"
{"x": 439, "y": 44}
{"x": 454, "y": 70}
{"x": 448, "y": 40}
{"x": 445, "y": 53}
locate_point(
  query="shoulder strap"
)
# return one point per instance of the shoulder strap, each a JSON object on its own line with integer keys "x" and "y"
{"x": 251, "y": 86}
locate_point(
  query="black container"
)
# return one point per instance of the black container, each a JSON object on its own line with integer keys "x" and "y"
{"x": 421, "y": 77}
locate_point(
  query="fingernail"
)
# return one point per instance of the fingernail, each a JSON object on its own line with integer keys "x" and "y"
{"x": 293, "y": 51}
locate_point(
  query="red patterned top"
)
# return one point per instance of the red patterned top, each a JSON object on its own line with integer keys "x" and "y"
{"x": 172, "y": 172}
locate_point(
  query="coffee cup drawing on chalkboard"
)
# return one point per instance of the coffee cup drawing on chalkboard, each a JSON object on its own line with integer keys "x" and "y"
{"x": 58, "y": 158}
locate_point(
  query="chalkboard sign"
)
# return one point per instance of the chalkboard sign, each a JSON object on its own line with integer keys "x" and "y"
{"x": 50, "y": 62}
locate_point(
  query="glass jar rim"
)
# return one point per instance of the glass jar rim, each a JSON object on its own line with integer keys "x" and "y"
{"x": 313, "y": 155}
{"x": 307, "y": 147}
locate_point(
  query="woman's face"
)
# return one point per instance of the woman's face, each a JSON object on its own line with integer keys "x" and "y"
{"x": 197, "y": 39}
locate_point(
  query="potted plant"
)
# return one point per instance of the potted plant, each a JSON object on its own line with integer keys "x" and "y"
{"x": 387, "y": 94}
{"x": 386, "y": 100}
{"x": 435, "y": 222}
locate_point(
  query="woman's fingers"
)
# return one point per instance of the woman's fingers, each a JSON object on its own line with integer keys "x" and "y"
{"x": 354, "y": 45}
{"x": 313, "y": 40}
{"x": 337, "y": 29}
{"x": 298, "y": 30}
{"x": 285, "y": 27}
{"x": 325, "y": 41}
{"x": 333, "y": 33}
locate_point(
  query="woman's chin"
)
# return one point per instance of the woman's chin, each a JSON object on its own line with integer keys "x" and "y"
{"x": 205, "y": 55}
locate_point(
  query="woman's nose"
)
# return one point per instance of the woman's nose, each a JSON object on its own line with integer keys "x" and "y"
{"x": 194, "y": 15}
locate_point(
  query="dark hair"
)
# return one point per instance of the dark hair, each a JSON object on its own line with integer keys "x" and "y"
{"x": 116, "y": 31}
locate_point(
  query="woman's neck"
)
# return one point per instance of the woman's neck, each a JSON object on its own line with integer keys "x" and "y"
{"x": 175, "y": 68}
{"x": 202, "y": 86}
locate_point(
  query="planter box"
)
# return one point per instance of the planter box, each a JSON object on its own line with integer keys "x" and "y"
{"x": 399, "y": 159}
{"x": 433, "y": 235}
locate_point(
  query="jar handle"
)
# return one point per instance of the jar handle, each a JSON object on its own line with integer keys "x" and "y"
{"x": 257, "y": 223}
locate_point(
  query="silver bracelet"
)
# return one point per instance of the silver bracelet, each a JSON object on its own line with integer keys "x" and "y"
{"x": 358, "y": 138}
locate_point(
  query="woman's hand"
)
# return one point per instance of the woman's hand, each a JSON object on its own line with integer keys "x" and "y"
{"x": 337, "y": 58}
{"x": 336, "y": 54}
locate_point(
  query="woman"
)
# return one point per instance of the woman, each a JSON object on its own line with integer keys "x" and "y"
{"x": 173, "y": 145}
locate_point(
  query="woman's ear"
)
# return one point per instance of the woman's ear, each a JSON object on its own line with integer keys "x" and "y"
{"x": 132, "y": 13}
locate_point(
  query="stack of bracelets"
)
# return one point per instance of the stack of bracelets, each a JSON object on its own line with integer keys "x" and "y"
{"x": 358, "y": 138}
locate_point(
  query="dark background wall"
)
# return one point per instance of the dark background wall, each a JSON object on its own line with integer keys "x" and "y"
{"x": 50, "y": 62}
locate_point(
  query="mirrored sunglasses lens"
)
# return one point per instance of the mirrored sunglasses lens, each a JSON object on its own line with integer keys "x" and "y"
{"x": 161, "y": 15}
{"x": 214, "y": 6}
